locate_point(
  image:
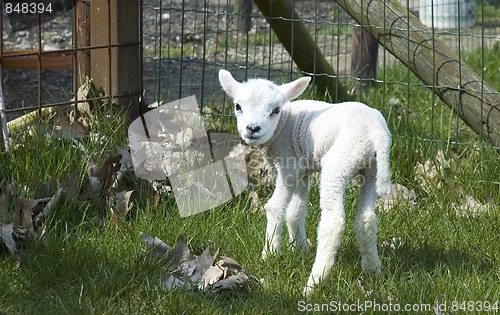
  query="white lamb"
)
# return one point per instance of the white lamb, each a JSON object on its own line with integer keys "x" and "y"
{"x": 340, "y": 140}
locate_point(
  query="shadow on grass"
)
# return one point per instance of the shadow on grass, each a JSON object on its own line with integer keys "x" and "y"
{"x": 430, "y": 257}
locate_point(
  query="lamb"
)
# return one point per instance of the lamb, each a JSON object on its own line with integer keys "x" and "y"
{"x": 340, "y": 141}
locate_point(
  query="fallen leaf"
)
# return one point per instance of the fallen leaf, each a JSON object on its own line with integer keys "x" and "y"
{"x": 122, "y": 205}
{"x": 170, "y": 283}
{"x": 238, "y": 281}
{"x": 211, "y": 276}
{"x": 179, "y": 254}
{"x": 471, "y": 207}
{"x": 67, "y": 129}
{"x": 7, "y": 196}
{"x": 126, "y": 170}
{"x": 204, "y": 262}
{"x": 28, "y": 209}
{"x": 198, "y": 272}
{"x": 431, "y": 174}
{"x": 400, "y": 195}
{"x": 13, "y": 237}
{"x": 155, "y": 245}
{"x": 101, "y": 177}
{"x": 235, "y": 277}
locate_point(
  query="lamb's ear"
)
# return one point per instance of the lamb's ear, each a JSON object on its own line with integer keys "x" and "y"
{"x": 228, "y": 83}
{"x": 293, "y": 89}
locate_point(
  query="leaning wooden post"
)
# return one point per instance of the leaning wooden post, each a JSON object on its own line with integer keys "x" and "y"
{"x": 432, "y": 61}
{"x": 296, "y": 39}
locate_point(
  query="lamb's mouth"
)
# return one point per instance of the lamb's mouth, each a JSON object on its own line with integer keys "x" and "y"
{"x": 252, "y": 139}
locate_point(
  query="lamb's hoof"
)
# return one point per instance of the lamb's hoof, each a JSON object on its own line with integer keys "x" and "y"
{"x": 312, "y": 284}
{"x": 308, "y": 290}
{"x": 266, "y": 254}
{"x": 373, "y": 270}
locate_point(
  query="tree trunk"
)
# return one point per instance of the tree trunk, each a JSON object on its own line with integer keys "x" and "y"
{"x": 292, "y": 33}
{"x": 432, "y": 61}
{"x": 364, "y": 55}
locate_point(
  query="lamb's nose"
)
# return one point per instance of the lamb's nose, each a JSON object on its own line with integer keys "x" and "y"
{"x": 253, "y": 128}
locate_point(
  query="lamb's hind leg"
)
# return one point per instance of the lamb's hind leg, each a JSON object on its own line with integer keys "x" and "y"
{"x": 296, "y": 214}
{"x": 365, "y": 224}
{"x": 333, "y": 183}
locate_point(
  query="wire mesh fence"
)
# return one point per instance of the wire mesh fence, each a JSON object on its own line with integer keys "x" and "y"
{"x": 185, "y": 43}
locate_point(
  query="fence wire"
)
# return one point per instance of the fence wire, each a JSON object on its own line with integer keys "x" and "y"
{"x": 186, "y": 42}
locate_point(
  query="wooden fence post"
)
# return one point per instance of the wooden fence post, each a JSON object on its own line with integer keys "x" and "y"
{"x": 242, "y": 19}
{"x": 82, "y": 39}
{"x": 364, "y": 56}
{"x": 116, "y": 67}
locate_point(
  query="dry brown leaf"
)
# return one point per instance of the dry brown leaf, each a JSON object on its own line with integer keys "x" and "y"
{"x": 400, "y": 195}
{"x": 155, "y": 245}
{"x": 7, "y": 196}
{"x": 13, "y": 237}
{"x": 471, "y": 207}
{"x": 179, "y": 254}
{"x": 28, "y": 209}
{"x": 68, "y": 129}
{"x": 123, "y": 202}
{"x": 101, "y": 177}
{"x": 126, "y": 170}
{"x": 85, "y": 94}
{"x": 204, "y": 262}
{"x": 235, "y": 277}
{"x": 211, "y": 276}
{"x": 238, "y": 281}
{"x": 432, "y": 173}
{"x": 122, "y": 205}
{"x": 199, "y": 272}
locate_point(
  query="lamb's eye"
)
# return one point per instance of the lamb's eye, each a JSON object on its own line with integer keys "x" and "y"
{"x": 275, "y": 111}
{"x": 237, "y": 107}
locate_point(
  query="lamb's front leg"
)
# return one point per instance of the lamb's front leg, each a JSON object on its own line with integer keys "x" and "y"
{"x": 296, "y": 214}
{"x": 275, "y": 213}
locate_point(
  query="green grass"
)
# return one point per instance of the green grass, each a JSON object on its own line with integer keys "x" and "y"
{"x": 488, "y": 13}
{"x": 87, "y": 265}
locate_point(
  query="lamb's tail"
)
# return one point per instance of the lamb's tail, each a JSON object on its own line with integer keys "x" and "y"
{"x": 383, "y": 149}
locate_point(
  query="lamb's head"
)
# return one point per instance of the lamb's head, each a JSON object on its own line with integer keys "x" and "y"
{"x": 257, "y": 104}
